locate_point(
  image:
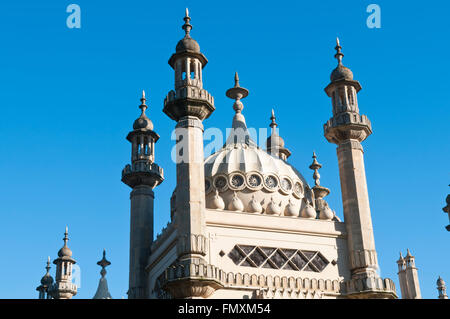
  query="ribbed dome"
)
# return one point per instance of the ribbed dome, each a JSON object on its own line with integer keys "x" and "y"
{"x": 187, "y": 44}
{"x": 341, "y": 73}
{"x": 249, "y": 179}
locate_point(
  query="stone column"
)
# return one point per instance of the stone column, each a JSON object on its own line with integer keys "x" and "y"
{"x": 141, "y": 237}
{"x": 355, "y": 197}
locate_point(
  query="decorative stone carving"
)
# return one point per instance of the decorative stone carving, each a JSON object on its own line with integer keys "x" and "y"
{"x": 273, "y": 208}
{"x": 292, "y": 210}
{"x": 254, "y": 206}
{"x": 308, "y": 211}
{"x": 236, "y": 204}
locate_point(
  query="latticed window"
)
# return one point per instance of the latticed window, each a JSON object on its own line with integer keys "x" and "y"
{"x": 278, "y": 258}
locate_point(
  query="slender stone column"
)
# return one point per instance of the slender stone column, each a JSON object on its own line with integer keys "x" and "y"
{"x": 190, "y": 199}
{"x": 141, "y": 238}
{"x": 355, "y": 198}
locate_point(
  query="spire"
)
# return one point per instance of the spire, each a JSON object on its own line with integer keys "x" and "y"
{"x": 239, "y": 132}
{"x": 187, "y": 27}
{"x": 441, "y": 288}
{"x": 66, "y": 236}
{"x": 143, "y": 106}
{"x": 339, "y": 55}
{"x": 102, "y": 290}
{"x": 273, "y": 124}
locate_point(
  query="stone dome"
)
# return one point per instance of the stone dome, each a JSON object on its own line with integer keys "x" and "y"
{"x": 143, "y": 123}
{"x": 47, "y": 280}
{"x": 65, "y": 252}
{"x": 187, "y": 44}
{"x": 248, "y": 179}
{"x": 341, "y": 73}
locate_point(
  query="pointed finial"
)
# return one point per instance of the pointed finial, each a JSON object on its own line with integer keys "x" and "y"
{"x": 48, "y": 265}
{"x": 315, "y": 166}
{"x": 187, "y": 27}
{"x": 103, "y": 263}
{"x": 237, "y": 93}
{"x": 339, "y": 55}
{"x": 143, "y": 106}
{"x": 273, "y": 124}
{"x": 66, "y": 236}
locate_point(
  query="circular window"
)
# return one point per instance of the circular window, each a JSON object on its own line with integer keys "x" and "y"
{"x": 271, "y": 182}
{"x": 237, "y": 181}
{"x": 286, "y": 185}
{"x": 220, "y": 183}
{"x": 254, "y": 181}
{"x": 298, "y": 190}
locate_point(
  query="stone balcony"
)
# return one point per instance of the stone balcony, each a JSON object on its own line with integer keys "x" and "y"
{"x": 347, "y": 125}
{"x": 142, "y": 173}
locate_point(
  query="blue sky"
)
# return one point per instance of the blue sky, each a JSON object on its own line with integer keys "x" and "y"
{"x": 68, "y": 98}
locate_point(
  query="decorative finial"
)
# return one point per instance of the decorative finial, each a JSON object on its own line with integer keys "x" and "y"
{"x": 273, "y": 124}
{"x": 339, "y": 55}
{"x": 408, "y": 253}
{"x": 316, "y": 166}
{"x": 103, "y": 263}
{"x": 187, "y": 27}
{"x": 66, "y": 236}
{"x": 237, "y": 93}
{"x": 143, "y": 106}
{"x": 48, "y": 265}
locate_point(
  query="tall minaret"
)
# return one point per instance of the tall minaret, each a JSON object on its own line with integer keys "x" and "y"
{"x": 412, "y": 277}
{"x": 63, "y": 287}
{"x": 347, "y": 129}
{"x": 102, "y": 289}
{"x": 46, "y": 283}
{"x": 441, "y": 288}
{"x": 143, "y": 175}
{"x": 189, "y": 104}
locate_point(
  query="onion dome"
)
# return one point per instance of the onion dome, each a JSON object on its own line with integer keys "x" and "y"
{"x": 242, "y": 170}
{"x": 65, "y": 250}
{"x": 187, "y": 44}
{"x": 47, "y": 280}
{"x": 341, "y": 72}
{"x": 143, "y": 123}
{"x": 275, "y": 143}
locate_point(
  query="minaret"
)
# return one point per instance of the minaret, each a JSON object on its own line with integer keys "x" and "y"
{"x": 46, "y": 283}
{"x": 102, "y": 290}
{"x": 412, "y": 277}
{"x": 347, "y": 129}
{"x": 275, "y": 144}
{"x": 63, "y": 287}
{"x": 402, "y": 277}
{"x": 189, "y": 104}
{"x": 143, "y": 175}
{"x": 441, "y": 288}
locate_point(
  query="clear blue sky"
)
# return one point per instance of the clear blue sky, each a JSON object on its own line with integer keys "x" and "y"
{"x": 69, "y": 97}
